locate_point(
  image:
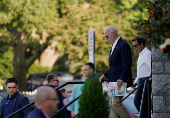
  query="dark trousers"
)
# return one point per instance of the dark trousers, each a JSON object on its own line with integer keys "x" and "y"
{"x": 138, "y": 98}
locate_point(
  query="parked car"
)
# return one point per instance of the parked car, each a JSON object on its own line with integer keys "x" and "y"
{"x": 2, "y": 95}
{"x": 38, "y": 79}
{"x": 130, "y": 107}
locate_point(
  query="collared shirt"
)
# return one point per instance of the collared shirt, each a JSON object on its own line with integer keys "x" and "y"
{"x": 143, "y": 64}
{"x": 7, "y": 108}
{"x": 77, "y": 90}
{"x": 114, "y": 44}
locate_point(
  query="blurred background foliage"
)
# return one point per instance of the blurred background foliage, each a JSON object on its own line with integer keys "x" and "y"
{"x": 157, "y": 27}
{"x": 34, "y": 26}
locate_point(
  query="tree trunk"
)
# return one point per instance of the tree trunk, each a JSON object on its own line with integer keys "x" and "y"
{"x": 19, "y": 62}
{"x": 49, "y": 56}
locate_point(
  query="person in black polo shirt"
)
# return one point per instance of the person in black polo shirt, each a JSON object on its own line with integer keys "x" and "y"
{"x": 53, "y": 82}
{"x": 13, "y": 101}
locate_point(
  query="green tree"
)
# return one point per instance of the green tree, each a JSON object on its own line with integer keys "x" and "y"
{"x": 6, "y": 57}
{"x": 158, "y": 23}
{"x": 26, "y": 23}
{"x": 72, "y": 32}
{"x": 93, "y": 103}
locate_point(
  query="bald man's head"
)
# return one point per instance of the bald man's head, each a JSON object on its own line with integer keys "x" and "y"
{"x": 43, "y": 93}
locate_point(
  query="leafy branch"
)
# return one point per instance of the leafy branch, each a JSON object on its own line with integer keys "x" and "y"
{"x": 158, "y": 24}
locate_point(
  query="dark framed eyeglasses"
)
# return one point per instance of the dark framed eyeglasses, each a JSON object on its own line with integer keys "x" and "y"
{"x": 135, "y": 45}
{"x": 53, "y": 99}
{"x": 56, "y": 80}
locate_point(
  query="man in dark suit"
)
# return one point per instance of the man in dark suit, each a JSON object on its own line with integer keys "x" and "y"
{"x": 53, "y": 82}
{"x": 120, "y": 62}
{"x": 13, "y": 101}
{"x": 46, "y": 101}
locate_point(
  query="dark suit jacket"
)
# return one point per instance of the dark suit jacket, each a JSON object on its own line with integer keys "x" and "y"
{"x": 60, "y": 105}
{"x": 19, "y": 101}
{"x": 36, "y": 113}
{"x": 120, "y": 62}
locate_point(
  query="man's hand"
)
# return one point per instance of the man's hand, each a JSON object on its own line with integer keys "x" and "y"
{"x": 134, "y": 85}
{"x": 102, "y": 77}
{"x": 119, "y": 83}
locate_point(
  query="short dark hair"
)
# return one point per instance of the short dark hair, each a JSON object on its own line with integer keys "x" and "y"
{"x": 139, "y": 39}
{"x": 91, "y": 65}
{"x": 50, "y": 77}
{"x": 63, "y": 90}
{"x": 11, "y": 80}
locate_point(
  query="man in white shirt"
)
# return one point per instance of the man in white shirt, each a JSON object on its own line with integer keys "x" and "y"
{"x": 143, "y": 71}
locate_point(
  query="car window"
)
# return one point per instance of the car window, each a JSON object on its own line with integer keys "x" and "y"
{"x": 128, "y": 103}
{"x": 1, "y": 98}
{"x": 41, "y": 76}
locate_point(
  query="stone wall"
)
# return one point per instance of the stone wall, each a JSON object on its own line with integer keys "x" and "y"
{"x": 160, "y": 84}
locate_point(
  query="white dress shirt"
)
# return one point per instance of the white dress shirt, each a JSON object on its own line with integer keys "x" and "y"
{"x": 114, "y": 44}
{"x": 143, "y": 64}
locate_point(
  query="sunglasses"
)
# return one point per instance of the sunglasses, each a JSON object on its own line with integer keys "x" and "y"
{"x": 53, "y": 99}
{"x": 107, "y": 36}
{"x": 135, "y": 45}
{"x": 56, "y": 80}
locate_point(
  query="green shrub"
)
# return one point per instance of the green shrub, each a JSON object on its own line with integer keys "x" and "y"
{"x": 93, "y": 103}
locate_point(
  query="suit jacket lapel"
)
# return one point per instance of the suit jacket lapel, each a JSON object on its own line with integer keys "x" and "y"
{"x": 114, "y": 51}
{"x": 14, "y": 101}
{"x": 110, "y": 54}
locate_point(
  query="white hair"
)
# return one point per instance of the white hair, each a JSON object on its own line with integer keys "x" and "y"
{"x": 111, "y": 28}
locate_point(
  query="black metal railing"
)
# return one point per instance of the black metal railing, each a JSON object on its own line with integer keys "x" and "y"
{"x": 122, "y": 99}
{"x": 146, "y": 96}
{"x": 30, "y": 104}
{"x": 60, "y": 110}
{"x": 72, "y": 82}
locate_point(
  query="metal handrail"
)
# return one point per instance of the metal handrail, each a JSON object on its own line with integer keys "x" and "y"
{"x": 146, "y": 91}
{"x": 149, "y": 98}
{"x": 72, "y": 82}
{"x": 129, "y": 94}
{"x": 122, "y": 99}
{"x": 64, "y": 107}
{"x": 23, "y": 108}
{"x": 30, "y": 104}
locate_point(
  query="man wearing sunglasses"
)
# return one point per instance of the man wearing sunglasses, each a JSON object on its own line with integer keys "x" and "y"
{"x": 46, "y": 101}
{"x": 120, "y": 62}
{"x": 53, "y": 82}
{"x": 13, "y": 101}
{"x": 143, "y": 72}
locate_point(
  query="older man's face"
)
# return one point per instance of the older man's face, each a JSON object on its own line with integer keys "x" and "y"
{"x": 109, "y": 36}
{"x": 52, "y": 102}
